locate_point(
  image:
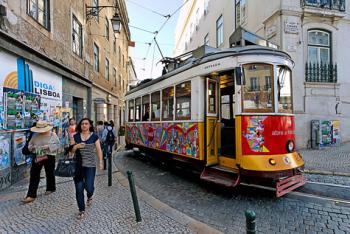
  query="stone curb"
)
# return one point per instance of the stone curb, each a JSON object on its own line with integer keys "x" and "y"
{"x": 194, "y": 225}
{"x": 333, "y": 173}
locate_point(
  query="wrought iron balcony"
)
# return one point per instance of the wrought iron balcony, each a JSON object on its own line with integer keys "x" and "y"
{"x": 338, "y": 5}
{"x": 321, "y": 72}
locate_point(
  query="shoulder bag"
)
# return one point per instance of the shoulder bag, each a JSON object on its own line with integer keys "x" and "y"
{"x": 66, "y": 167}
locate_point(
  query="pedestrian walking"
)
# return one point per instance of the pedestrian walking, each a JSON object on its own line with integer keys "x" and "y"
{"x": 86, "y": 145}
{"x": 99, "y": 129}
{"x": 109, "y": 137}
{"x": 72, "y": 128}
{"x": 44, "y": 144}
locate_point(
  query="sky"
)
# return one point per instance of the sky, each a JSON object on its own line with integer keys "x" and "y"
{"x": 146, "y": 19}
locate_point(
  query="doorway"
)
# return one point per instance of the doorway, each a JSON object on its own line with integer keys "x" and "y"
{"x": 227, "y": 102}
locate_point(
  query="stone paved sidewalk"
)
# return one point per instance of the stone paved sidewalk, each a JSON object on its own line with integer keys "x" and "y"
{"x": 111, "y": 212}
{"x": 329, "y": 161}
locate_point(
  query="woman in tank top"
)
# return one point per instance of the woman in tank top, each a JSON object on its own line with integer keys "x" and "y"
{"x": 86, "y": 145}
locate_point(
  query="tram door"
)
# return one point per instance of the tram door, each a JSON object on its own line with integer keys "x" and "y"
{"x": 227, "y": 92}
{"x": 212, "y": 122}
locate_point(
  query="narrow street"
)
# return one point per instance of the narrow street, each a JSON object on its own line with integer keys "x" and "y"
{"x": 224, "y": 209}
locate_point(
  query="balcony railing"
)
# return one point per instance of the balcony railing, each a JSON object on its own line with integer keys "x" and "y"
{"x": 320, "y": 72}
{"x": 338, "y": 5}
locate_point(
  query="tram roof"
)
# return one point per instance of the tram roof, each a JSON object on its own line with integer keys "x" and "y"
{"x": 218, "y": 54}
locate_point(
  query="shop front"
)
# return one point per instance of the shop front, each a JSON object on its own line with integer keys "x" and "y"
{"x": 29, "y": 92}
{"x": 105, "y": 106}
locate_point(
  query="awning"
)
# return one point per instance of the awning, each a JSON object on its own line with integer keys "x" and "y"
{"x": 242, "y": 37}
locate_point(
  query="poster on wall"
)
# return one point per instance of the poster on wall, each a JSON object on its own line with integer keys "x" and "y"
{"x": 14, "y": 108}
{"x": 21, "y": 109}
{"x": 5, "y": 160}
{"x": 66, "y": 113}
{"x": 31, "y": 109}
{"x": 19, "y": 140}
{"x": 28, "y": 78}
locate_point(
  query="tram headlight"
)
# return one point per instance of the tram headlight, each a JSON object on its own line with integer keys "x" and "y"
{"x": 272, "y": 161}
{"x": 290, "y": 146}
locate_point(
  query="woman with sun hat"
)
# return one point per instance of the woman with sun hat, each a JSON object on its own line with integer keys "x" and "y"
{"x": 45, "y": 145}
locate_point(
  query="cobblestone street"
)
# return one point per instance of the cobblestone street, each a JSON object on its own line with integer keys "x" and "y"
{"x": 112, "y": 211}
{"x": 224, "y": 209}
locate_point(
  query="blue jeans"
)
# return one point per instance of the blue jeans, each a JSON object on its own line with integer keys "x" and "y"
{"x": 87, "y": 183}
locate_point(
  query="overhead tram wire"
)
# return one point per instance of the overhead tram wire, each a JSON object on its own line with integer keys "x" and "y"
{"x": 148, "y": 9}
{"x": 157, "y": 32}
{"x": 161, "y": 27}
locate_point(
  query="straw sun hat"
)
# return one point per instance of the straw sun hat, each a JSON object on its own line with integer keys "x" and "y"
{"x": 41, "y": 126}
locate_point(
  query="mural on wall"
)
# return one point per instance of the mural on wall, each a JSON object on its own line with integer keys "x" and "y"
{"x": 5, "y": 143}
{"x": 179, "y": 138}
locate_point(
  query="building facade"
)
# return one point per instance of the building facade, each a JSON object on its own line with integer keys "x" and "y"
{"x": 313, "y": 32}
{"x": 59, "y": 59}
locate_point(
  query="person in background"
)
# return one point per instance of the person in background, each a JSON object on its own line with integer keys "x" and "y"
{"x": 145, "y": 117}
{"x": 72, "y": 129}
{"x": 109, "y": 137}
{"x": 99, "y": 129}
{"x": 45, "y": 145}
{"x": 86, "y": 146}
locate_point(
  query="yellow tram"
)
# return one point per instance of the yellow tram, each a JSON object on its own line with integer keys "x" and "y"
{"x": 229, "y": 112}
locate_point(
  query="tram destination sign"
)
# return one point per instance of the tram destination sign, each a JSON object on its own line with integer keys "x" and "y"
{"x": 213, "y": 65}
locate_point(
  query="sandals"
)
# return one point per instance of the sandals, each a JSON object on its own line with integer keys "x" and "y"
{"x": 81, "y": 215}
{"x": 28, "y": 200}
{"x": 89, "y": 201}
{"x": 48, "y": 192}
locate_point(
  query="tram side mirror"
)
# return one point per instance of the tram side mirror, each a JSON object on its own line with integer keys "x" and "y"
{"x": 239, "y": 77}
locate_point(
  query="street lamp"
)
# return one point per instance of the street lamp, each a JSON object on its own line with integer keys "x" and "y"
{"x": 116, "y": 23}
{"x": 93, "y": 11}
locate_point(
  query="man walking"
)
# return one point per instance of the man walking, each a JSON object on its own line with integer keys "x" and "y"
{"x": 109, "y": 137}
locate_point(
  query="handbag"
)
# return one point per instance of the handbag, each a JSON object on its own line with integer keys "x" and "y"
{"x": 39, "y": 159}
{"x": 25, "y": 149}
{"x": 66, "y": 167}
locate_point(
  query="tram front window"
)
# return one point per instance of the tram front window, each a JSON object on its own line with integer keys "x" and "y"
{"x": 258, "y": 91}
{"x": 284, "y": 90}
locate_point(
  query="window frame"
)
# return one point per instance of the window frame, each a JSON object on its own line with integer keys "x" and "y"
{"x": 95, "y": 3}
{"x": 46, "y": 12}
{"x": 319, "y": 46}
{"x": 190, "y": 104}
{"x": 80, "y": 36}
{"x": 107, "y": 29}
{"x": 115, "y": 76}
{"x": 106, "y": 69}
{"x": 143, "y": 107}
{"x": 206, "y": 7}
{"x": 291, "y": 110}
{"x": 129, "y": 109}
{"x": 165, "y": 98}
{"x": 209, "y": 82}
{"x": 219, "y": 31}
{"x": 140, "y": 109}
{"x": 261, "y": 110}
{"x": 206, "y": 39}
{"x": 96, "y": 57}
{"x": 151, "y": 106}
